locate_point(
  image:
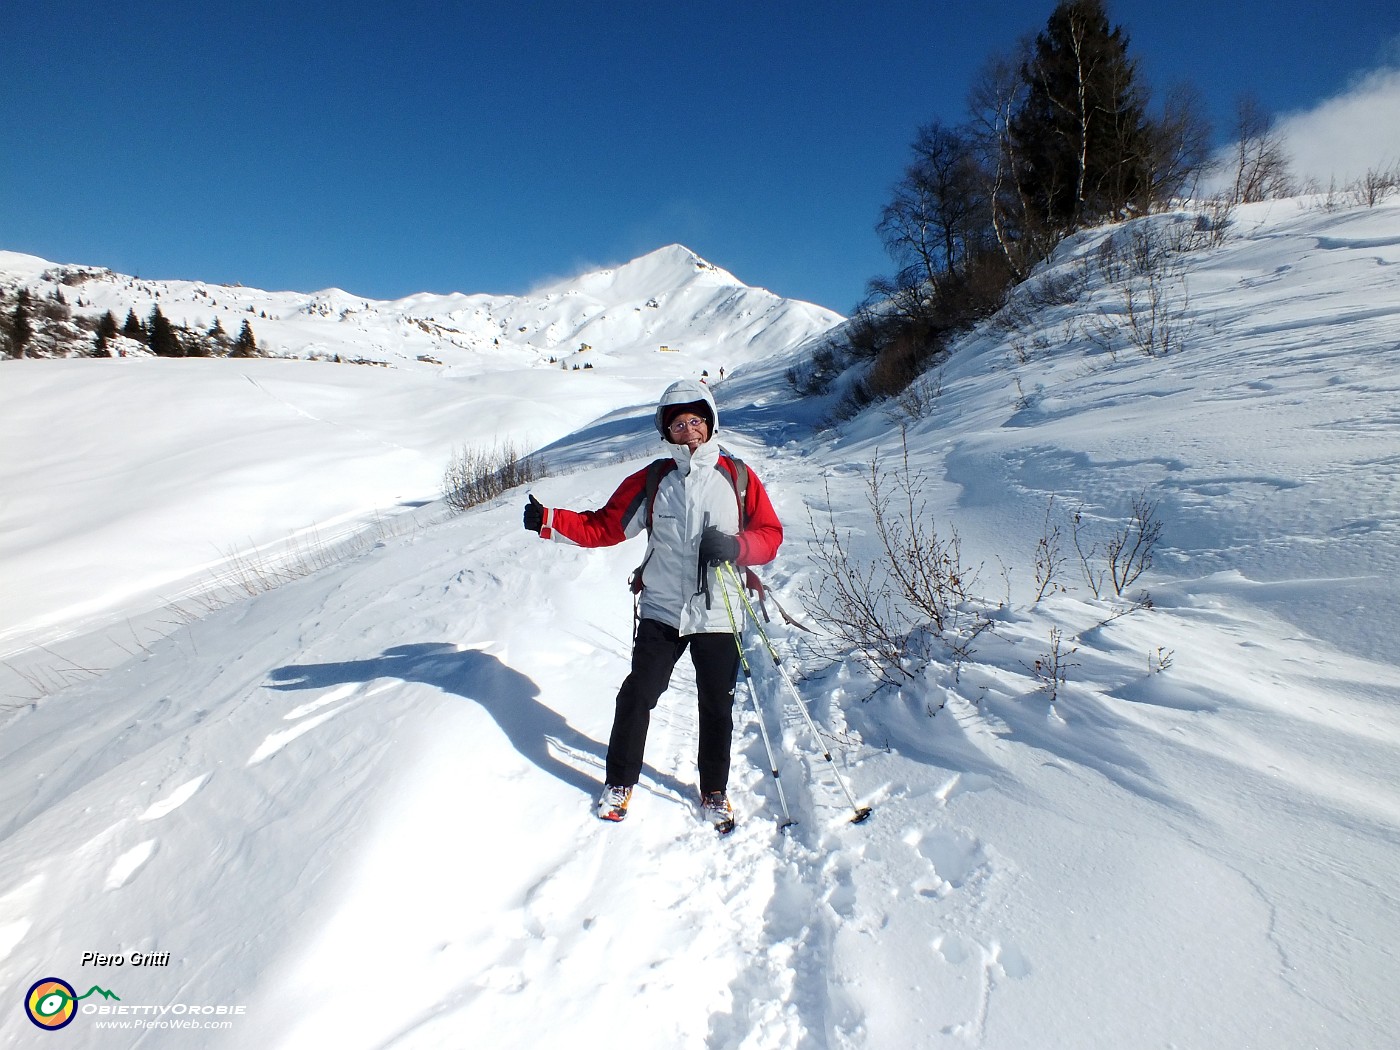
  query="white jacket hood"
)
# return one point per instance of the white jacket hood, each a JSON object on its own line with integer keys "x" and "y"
{"x": 686, "y": 392}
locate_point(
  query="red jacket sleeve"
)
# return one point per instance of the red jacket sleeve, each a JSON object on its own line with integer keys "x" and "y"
{"x": 622, "y": 517}
{"x": 763, "y": 532}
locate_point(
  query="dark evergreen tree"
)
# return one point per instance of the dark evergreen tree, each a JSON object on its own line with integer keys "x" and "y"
{"x": 21, "y": 330}
{"x": 133, "y": 328}
{"x": 195, "y": 344}
{"x": 1080, "y": 137}
{"x": 245, "y": 345}
{"x": 215, "y": 341}
{"x": 106, "y": 331}
{"x": 164, "y": 342}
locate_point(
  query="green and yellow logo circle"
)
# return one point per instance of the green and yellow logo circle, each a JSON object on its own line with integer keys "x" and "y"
{"x": 51, "y": 1003}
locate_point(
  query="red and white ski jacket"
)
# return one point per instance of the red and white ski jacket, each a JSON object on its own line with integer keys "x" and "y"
{"x": 700, "y": 489}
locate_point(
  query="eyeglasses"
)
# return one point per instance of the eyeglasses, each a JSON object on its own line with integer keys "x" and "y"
{"x": 680, "y": 426}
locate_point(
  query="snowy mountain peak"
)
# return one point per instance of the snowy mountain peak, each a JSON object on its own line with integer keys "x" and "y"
{"x": 680, "y": 259}
{"x": 647, "y": 276}
{"x": 678, "y": 253}
{"x": 669, "y": 298}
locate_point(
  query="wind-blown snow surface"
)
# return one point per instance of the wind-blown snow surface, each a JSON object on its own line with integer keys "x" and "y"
{"x": 358, "y": 805}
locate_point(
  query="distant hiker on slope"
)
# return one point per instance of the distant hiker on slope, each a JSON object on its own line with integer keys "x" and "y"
{"x": 691, "y": 505}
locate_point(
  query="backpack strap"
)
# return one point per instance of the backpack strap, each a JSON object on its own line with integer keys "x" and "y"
{"x": 656, "y": 470}
{"x": 736, "y": 471}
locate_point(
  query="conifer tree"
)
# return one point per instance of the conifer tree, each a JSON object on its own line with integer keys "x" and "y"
{"x": 106, "y": 331}
{"x": 245, "y": 345}
{"x": 1080, "y": 135}
{"x": 20, "y": 327}
{"x": 195, "y": 343}
{"x": 163, "y": 340}
{"x": 215, "y": 341}
{"x": 133, "y": 329}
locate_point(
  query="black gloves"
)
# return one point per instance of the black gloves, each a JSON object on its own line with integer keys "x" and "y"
{"x": 717, "y": 547}
{"x": 534, "y": 515}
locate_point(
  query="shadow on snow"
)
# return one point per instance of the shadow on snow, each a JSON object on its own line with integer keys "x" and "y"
{"x": 509, "y": 697}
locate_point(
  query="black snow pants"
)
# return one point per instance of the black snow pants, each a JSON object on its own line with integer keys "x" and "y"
{"x": 655, "y": 651}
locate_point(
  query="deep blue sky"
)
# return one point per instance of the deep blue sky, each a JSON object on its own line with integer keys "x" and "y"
{"x": 390, "y": 148}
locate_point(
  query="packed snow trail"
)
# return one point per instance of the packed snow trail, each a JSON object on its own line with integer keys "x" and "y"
{"x": 520, "y": 912}
{"x": 366, "y": 798}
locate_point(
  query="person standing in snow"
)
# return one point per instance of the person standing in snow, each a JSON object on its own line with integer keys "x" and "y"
{"x": 696, "y": 524}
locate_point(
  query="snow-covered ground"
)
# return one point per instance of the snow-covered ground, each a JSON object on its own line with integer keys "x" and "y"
{"x": 154, "y": 482}
{"x": 356, "y": 809}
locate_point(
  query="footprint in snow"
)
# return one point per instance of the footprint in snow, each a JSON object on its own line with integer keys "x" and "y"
{"x": 1011, "y": 960}
{"x": 953, "y": 857}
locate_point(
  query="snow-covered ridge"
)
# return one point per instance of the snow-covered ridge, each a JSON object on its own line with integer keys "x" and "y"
{"x": 668, "y": 298}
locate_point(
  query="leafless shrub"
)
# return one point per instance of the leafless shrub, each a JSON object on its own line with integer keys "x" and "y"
{"x": 855, "y": 603}
{"x": 1148, "y": 248}
{"x": 893, "y": 609}
{"x": 1049, "y": 556}
{"x": 1152, "y": 292}
{"x": 1261, "y": 161}
{"x": 1126, "y": 554}
{"x": 1213, "y": 221}
{"x": 917, "y": 400}
{"x": 927, "y": 568}
{"x": 1372, "y": 188}
{"x": 1129, "y": 551}
{"x": 1051, "y": 668}
{"x": 1154, "y": 316}
{"x": 1142, "y": 603}
{"x": 1060, "y": 287}
{"x": 1025, "y": 306}
{"x": 1087, "y": 550}
{"x": 1036, "y": 344}
{"x": 1160, "y": 660}
{"x": 478, "y": 475}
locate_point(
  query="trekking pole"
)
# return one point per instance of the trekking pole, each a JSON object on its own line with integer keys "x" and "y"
{"x": 753, "y": 698}
{"x": 860, "y": 812}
